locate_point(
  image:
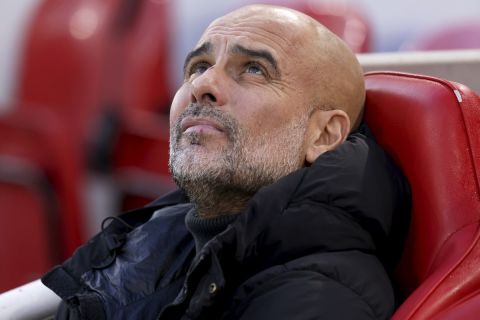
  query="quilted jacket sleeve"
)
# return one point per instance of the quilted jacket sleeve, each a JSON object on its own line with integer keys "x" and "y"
{"x": 304, "y": 295}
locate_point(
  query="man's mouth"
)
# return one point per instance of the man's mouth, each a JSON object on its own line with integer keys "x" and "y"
{"x": 200, "y": 125}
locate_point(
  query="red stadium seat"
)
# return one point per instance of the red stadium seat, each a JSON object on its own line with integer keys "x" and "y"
{"x": 95, "y": 64}
{"x": 40, "y": 222}
{"x": 27, "y": 219}
{"x": 86, "y": 58}
{"x": 146, "y": 63}
{"x": 140, "y": 156}
{"x": 430, "y": 127}
{"x": 464, "y": 35}
{"x": 63, "y": 66}
{"x": 140, "y": 160}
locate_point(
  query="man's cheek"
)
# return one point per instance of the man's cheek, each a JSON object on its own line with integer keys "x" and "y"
{"x": 179, "y": 104}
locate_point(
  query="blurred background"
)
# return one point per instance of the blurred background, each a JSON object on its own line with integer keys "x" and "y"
{"x": 85, "y": 88}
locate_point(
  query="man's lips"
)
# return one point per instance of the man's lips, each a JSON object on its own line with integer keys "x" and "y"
{"x": 200, "y": 124}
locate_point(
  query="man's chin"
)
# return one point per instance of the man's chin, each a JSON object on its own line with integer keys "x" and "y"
{"x": 200, "y": 158}
{"x": 203, "y": 174}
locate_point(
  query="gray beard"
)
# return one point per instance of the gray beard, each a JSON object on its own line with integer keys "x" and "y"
{"x": 225, "y": 185}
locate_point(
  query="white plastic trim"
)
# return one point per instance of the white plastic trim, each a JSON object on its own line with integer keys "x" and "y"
{"x": 461, "y": 66}
{"x": 458, "y": 95}
{"x": 32, "y": 301}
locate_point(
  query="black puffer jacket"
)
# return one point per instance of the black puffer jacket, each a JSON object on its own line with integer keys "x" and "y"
{"x": 311, "y": 246}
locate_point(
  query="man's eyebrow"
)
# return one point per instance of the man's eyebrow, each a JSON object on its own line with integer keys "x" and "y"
{"x": 203, "y": 49}
{"x": 257, "y": 53}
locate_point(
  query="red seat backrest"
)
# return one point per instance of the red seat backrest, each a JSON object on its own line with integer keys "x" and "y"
{"x": 146, "y": 62}
{"x": 430, "y": 127}
{"x": 37, "y": 139}
{"x": 140, "y": 155}
{"x": 140, "y": 160}
{"x": 28, "y": 223}
{"x": 40, "y": 215}
{"x": 64, "y": 62}
{"x": 88, "y": 61}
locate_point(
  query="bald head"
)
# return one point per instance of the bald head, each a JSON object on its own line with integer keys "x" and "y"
{"x": 266, "y": 91}
{"x": 328, "y": 69}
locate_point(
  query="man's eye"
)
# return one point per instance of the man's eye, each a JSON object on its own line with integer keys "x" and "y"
{"x": 255, "y": 69}
{"x": 198, "y": 68}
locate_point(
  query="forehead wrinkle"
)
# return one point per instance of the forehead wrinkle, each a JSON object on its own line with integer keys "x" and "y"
{"x": 247, "y": 27}
{"x": 241, "y": 29}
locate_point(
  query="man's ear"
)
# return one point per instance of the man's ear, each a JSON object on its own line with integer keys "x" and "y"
{"x": 326, "y": 130}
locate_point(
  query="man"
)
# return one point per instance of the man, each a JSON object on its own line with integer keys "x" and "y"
{"x": 285, "y": 202}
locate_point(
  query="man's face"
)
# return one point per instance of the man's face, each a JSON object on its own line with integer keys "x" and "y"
{"x": 238, "y": 122}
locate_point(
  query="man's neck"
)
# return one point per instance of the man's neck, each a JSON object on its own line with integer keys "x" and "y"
{"x": 204, "y": 229}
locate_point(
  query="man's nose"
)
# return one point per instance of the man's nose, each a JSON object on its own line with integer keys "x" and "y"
{"x": 209, "y": 87}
